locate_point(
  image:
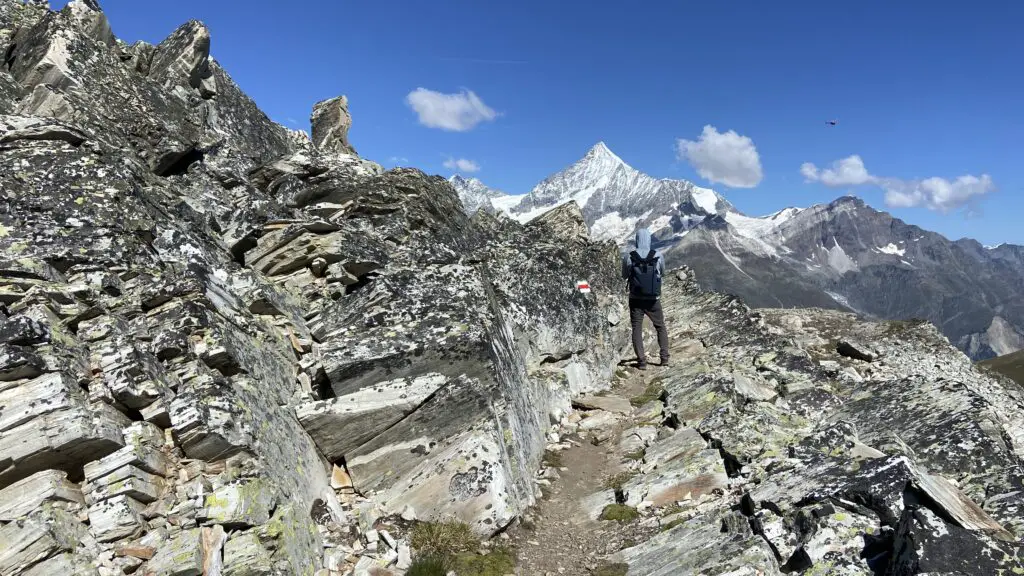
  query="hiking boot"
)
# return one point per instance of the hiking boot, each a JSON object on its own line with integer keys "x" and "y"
{"x": 641, "y": 366}
{"x": 665, "y": 363}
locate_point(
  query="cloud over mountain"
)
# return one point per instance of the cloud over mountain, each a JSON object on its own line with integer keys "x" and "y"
{"x": 723, "y": 157}
{"x": 933, "y": 193}
{"x": 461, "y": 165}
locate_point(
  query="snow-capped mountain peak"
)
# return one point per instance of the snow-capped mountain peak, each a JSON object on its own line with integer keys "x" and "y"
{"x": 475, "y": 195}
{"x": 601, "y": 153}
{"x": 616, "y": 198}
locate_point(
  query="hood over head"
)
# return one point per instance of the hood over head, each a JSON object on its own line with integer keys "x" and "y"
{"x": 643, "y": 241}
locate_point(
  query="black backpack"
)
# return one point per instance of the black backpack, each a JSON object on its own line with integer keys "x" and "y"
{"x": 644, "y": 278}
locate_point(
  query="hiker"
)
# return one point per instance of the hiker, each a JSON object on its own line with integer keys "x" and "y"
{"x": 643, "y": 268}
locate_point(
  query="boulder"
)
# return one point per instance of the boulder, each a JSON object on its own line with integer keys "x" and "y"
{"x": 855, "y": 351}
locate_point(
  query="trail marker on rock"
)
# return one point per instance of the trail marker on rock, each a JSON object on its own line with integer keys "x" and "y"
{"x": 583, "y": 286}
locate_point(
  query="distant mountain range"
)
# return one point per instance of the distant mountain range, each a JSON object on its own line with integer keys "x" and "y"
{"x": 844, "y": 255}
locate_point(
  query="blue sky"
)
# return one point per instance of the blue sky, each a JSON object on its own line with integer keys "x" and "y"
{"x": 921, "y": 90}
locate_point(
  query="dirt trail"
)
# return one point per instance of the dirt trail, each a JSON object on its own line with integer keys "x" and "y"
{"x": 557, "y": 537}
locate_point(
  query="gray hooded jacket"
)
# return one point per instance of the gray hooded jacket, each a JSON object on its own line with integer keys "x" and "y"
{"x": 643, "y": 246}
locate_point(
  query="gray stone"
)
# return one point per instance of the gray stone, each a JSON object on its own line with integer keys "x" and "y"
{"x": 244, "y": 555}
{"x": 247, "y": 504}
{"x": 342, "y": 424}
{"x": 116, "y": 518}
{"x": 615, "y": 404}
{"x": 182, "y": 555}
{"x": 29, "y": 494}
{"x": 129, "y": 480}
{"x": 140, "y": 456}
{"x": 45, "y": 533}
{"x": 330, "y": 122}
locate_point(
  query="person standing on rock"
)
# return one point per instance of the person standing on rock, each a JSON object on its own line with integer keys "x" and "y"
{"x": 643, "y": 268}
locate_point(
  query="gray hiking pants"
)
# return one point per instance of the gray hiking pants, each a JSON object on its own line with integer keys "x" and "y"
{"x": 652, "y": 309}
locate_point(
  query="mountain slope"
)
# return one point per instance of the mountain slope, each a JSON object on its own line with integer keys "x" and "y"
{"x": 615, "y": 197}
{"x": 474, "y": 194}
{"x": 1010, "y": 365}
{"x": 844, "y": 255}
{"x": 847, "y": 255}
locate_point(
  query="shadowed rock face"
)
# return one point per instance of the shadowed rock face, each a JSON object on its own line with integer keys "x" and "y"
{"x": 203, "y": 316}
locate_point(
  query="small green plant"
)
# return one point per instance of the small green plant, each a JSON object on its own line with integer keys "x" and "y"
{"x": 619, "y": 513}
{"x": 497, "y": 562}
{"x": 617, "y": 481}
{"x": 612, "y": 570}
{"x": 428, "y": 566}
{"x": 672, "y": 524}
{"x": 552, "y": 459}
{"x": 443, "y": 539}
{"x": 653, "y": 392}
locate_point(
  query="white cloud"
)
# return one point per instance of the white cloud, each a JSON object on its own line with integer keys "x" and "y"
{"x": 457, "y": 112}
{"x": 461, "y": 165}
{"x": 846, "y": 172}
{"x": 932, "y": 193}
{"x": 937, "y": 193}
{"x": 726, "y": 158}
{"x": 398, "y": 160}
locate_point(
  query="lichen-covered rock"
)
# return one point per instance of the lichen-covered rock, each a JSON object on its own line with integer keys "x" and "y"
{"x": 330, "y": 123}
{"x": 29, "y": 494}
{"x": 244, "y": 555}
{"x": 46, "y": 532}
{"x": 883, "y": 470}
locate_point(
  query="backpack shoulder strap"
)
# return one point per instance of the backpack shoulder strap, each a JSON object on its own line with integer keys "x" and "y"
{"x": 635, "y": 257}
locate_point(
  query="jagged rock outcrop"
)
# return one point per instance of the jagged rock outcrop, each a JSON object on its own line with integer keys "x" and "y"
{"x": 204, "y": 318}
{"x": 330, "y": 122}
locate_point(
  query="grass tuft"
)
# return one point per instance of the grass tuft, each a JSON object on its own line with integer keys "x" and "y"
{"x": 497, "y": 562}
{"x": 552, "y": 459}
{"x": 428, "y": 566}
{"x": 672, "y": 524}
{"x": 443, "y": 539}
{"x": 619, "y": 513}
{"x": 619, "y": 569}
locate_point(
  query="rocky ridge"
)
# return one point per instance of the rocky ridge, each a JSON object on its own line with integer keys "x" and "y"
{"x": 788, "y": 441}
{"x": 228, "y": 349}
